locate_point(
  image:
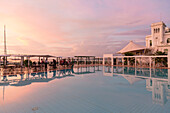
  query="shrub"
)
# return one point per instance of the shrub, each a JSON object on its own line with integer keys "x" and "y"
{"x": 129, "y": 54}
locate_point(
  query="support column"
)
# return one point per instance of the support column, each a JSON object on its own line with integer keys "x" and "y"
{"x": 22, "y": 61}
{"x": 0, "y": 61}
{"x": 4, "y": 60}
{"x": 154, "y": 62}
{"x": 86, "y": 60}
{"x": 77, "y": 60}
{"x": 123, "y": 61}
{"x": 81, "y": 60}
{"x": 128, "y": 61}
{"x": 28, "y": 58}
{"x": 112, "y": 62}
{"x": 94, "y": 61}
{"x": 135, "y": 61}
{"x": 150, "y": 62}
{"x": 168, "y": 59}
{"x": 103, "y": 60}
{"x": 116, "y": 61}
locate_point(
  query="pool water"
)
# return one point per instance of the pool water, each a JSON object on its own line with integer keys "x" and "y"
{"x": 87, "y": 90}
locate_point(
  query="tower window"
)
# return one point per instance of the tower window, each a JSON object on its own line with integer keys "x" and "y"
{"x": 150, "y": 42}
{"x": 154, "y": 30}
{"x": 158, "y": 30}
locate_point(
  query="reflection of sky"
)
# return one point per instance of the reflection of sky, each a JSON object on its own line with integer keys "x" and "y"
{"x": 86, "y": 27}
{"x": 81, "y": 93}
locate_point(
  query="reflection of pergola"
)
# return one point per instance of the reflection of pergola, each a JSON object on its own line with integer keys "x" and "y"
{"x": 111, "y": 70}
{"x": 84, "y": 70}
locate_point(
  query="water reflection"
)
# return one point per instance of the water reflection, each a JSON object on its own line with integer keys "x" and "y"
{"x": 27, "y": 77}
{"x": 157, "y": 80}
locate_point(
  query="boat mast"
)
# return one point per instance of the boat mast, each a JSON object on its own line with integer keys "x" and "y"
{"x": 5, "y": 51}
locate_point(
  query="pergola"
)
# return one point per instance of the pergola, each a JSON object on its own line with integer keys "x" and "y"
{"x": 85, "y": 58}
{"x": 98, "y": 59}
{"x": 25, "y": 56}
{"x": 29, "y": 56}
{"x": 4, "y": 58}
{"x": 151, "y": 59}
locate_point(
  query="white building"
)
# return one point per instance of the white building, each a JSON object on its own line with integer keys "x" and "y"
{"x": 159, "y": 40}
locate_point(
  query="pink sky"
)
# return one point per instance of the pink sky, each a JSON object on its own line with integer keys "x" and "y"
{"x": 77, "y": 27}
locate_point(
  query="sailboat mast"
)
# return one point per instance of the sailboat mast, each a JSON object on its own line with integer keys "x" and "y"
{"x": 5, "y": 51}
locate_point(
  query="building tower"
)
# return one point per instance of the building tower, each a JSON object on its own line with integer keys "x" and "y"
{"x": 157, "y": 33}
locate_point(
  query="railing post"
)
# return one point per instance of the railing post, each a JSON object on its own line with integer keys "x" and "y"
{"x": 168, "y": 59}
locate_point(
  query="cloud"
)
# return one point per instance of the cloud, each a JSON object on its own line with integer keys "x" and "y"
{"x": 137, "y": 32}
{"x": 68, "y": 28}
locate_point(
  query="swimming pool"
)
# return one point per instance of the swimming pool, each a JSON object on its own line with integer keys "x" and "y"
{"x": 87, "y": 90}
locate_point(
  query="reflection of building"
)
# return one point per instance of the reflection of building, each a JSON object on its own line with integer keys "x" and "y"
{"x": 157, "y": 81}
{"x": 160, "y": 90}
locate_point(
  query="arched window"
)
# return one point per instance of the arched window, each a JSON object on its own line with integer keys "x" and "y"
{"x": 158, "y": 30}
{"x": 150, "y": 43}
{"x": 168, "y": 40}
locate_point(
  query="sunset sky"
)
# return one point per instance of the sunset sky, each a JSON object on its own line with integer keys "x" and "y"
{"x": 77, "y": 27}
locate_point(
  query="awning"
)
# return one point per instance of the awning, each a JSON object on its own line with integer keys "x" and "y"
{"x": 131, "y": 47}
